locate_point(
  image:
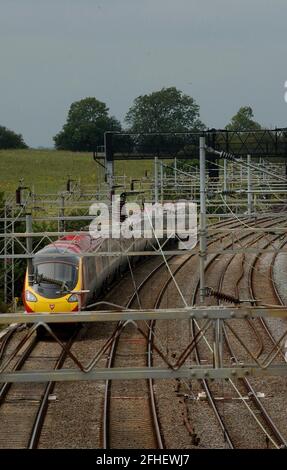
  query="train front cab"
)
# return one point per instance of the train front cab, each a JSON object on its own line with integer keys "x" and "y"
{"x": 54, "y": 281}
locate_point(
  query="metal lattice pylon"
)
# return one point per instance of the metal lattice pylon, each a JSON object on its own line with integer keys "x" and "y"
{"x": 9, "y": 243}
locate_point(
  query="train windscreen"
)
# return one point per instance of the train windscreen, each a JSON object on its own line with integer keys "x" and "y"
{"x": 54, "y": 279}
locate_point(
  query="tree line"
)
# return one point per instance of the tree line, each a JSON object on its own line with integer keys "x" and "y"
{"x": 168, "y": 109}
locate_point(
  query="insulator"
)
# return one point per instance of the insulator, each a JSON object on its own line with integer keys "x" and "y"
{"x": 222, "y": 296}
{"x": 227, "y": 156}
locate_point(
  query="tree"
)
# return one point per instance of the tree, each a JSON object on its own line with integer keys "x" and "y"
{"x": 11, "y": 140}
{"x": 87, "y": 121}
{"x": 243, "y": 120}
{"x": 164, "y": 111}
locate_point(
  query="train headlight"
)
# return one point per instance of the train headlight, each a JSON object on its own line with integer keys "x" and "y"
{"x": 73, "y": 298}
{"x": 30, "y": 297}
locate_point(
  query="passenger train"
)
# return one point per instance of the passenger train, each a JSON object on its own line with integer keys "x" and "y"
{"x": 58, "y": 282}
{"x": 64, "y": 278}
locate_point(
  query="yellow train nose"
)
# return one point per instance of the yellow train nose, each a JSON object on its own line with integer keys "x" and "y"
{"x": 60, "y": 305}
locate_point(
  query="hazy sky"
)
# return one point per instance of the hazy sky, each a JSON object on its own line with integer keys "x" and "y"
{"x": 225, "y": 53}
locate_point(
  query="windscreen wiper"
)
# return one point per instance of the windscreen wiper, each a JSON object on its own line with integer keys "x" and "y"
{"x": 40, "y": 278}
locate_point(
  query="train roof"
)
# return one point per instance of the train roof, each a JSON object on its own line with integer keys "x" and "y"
{"x": 71, "y": 244}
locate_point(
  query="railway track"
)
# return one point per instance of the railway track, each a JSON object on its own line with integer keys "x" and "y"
{"x": 264, "y": 291}
{"x": 271, "y": 430}
{"x": 107, "y": 420}
{"x": 273, "y": 433}
{"x": 137, "y": 410}
{"x": 134, "y": 409}
{"x": 208, "y": 392}
{"x": 6, "y": 337}
{"x": 23, "y": 406}
{"x": 138, "y": 403}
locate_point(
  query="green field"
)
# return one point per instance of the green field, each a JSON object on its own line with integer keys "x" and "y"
{"x": 48, "y": 170}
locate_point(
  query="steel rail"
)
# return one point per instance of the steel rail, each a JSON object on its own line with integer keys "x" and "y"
{"x": 204, "y": 382}
{"x": 271, "y": 275}
{"x": 40, "y": 416}
{"x": 206, "y": 386}
{"x": 197, "y": 355}
{"x": 42, "y": 410}
{"x": 107, "y": 398}
{"x": 275, "y": 291}
{"x": 150, "y": 346}
{"x": 19, "y": 364}
{"x": 6, "y": 338}
{"x": 250, "y": 390}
